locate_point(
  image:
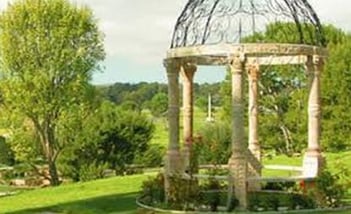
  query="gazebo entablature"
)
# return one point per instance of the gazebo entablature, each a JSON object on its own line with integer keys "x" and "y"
{"x": 240, "y": 59}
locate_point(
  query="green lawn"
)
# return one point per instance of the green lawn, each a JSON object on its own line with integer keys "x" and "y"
{"x": 161, "y": 126}
{"x": 117, "y": 195}
{"x": 113, "y": 195}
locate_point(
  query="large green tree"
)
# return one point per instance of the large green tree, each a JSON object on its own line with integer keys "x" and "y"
{"x": 110, "y": 137}
{"x": 49, "y": 50}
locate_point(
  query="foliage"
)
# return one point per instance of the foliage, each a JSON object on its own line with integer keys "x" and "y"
{"x": 264, "y": 201}
{"x": 336, "y": 88}
{"x": 49, "y": 50}
{"x": 7, "y": 156}
{"x": 158, "y": 105}
{"x": 152, "y": 157}
{"x": 328, "y": 192}
{"x": 201, "y": 93}
{"x": 152, "y": 190}
{"x": 109, "y": 136}
{"x": 212, "y": 193}
{"x": 139, "y": 93}
{"x": 283, "y": 100}
{"x": 92, "y": 171}
{"x": 183, "y": 194}
{"x": 153, "y": 95}
{"x": 213, "y": 144}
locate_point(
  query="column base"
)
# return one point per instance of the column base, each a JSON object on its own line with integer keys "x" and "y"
{"x": 173, "y": 162}
{"x": 238, "y": 170}
{"x": 254, "y": 167}
{"x": 186, "y": 159}
{"x": 253, "y": 186}
{"x": 313, "y": 163}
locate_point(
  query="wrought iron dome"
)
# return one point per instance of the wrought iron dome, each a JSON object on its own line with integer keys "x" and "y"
{"x": 205, "y": 22}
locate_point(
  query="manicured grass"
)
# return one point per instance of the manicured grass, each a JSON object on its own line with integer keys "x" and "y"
{"x": 161, "y": 126}
{"x": 117, "y": 195}
{"x": 113, "y": 195}
{"x": 5, "y": 188}
{"x": 334, "y": 162}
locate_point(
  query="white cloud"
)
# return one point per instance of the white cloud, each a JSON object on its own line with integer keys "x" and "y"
{"x": 336, "y": 12}
{"x": 141, "y": 30}
{"x": 137, "y": 29}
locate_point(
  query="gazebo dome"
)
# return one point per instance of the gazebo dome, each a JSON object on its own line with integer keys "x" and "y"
{"x": 205, "y": 22}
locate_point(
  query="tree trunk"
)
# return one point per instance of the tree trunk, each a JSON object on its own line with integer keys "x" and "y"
{"x": 287, "y": 139}
{"x": 54, "y": 178}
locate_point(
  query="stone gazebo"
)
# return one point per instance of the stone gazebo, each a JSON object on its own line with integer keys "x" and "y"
{"x": 213, "y": 32}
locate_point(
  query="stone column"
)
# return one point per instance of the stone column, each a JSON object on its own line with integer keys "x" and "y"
{"x": 173, "y": 160}
{"x": 313, "y": 160}
{"x": 238, "y": 163}
{"x": 254, "y": 156}
{"x": 188, "y": 70}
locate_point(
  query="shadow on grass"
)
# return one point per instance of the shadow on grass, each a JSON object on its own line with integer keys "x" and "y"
{"x": 119, "y": 203}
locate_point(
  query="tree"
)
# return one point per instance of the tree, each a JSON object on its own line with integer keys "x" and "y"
{"x": 158, "y": 104}
{"x": 111, "y": 136}
{"x": 336, "y": 90}
{"x": 49, "y": 50}
{"x": 6, "y": 154}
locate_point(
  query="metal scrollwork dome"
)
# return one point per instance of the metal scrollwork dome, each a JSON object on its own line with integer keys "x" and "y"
{"x": 232, "y": 21}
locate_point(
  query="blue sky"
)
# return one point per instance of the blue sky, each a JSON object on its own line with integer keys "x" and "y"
{"x": 138, "y": 33}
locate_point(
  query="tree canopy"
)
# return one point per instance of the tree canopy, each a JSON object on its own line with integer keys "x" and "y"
{"x": 49, "y": 50}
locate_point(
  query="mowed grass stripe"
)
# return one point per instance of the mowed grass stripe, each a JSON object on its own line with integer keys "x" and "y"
{"x": 65, "y": 194}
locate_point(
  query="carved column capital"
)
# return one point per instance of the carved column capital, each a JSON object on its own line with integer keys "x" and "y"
{"x": 237, "y": 63}
{"x": 172, "y": 65}
{"x": 253, "y": 70}
{"x": 188, "y": 70}
{"x": 318, "y": 61}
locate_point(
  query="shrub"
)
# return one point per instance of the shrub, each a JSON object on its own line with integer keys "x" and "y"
{"x": 213, "y": 145}
{"x": 183, "y": 194}
{"x": 212, "y": 198}
{"x": 328, "y": 192}
{"x": 274, "y": 200}
{"x": 152, "y": 157}
{"x": 7, "y": 156}
{"x": 92, "y": 171}
{"x": 153, "y": 190}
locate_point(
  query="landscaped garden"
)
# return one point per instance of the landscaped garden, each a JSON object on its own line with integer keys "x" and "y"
{"x": 255, "y": 142}
{"x": 112, "y": 195}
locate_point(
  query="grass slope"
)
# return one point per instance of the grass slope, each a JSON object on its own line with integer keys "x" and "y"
{"x": 113, "y": 195}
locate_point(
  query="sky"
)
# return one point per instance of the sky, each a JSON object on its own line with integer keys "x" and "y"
{"x": 138, "y": 34}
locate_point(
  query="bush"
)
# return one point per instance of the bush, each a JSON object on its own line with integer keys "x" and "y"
{"x": 183, "y": 194}
{"x": 279, "y": 186}
{"x": 274, "y": 200}
{"x": 7, "y": 156}
{"x": 153, "y": 190}
{"x": 110, "y": 136}
{"x": 152, "y": 157}
{"x": 212, "y": 198}
{"x": 92, "y": 171}
{"x": 214, "y": 144}
{"x": 328, "y": 192}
